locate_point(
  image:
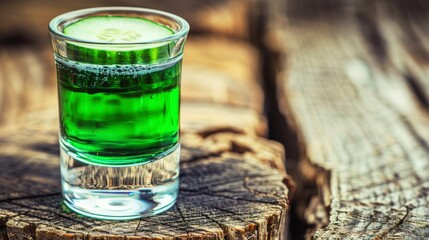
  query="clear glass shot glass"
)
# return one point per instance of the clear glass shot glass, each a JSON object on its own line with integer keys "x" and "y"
{"x": 119, "y": 110}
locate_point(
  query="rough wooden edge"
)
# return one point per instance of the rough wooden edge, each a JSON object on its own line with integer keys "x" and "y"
{"x": 399, "y": 224}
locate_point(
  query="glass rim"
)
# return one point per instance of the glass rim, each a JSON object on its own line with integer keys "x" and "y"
{"x": 55, "y": 22}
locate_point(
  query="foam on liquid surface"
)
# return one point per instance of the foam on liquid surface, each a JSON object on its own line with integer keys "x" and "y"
{"x": 111, "y": 70}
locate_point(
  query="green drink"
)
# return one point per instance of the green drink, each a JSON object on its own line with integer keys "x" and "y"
{"x": 118, "y": 73}
{"x": 116, "y": 114}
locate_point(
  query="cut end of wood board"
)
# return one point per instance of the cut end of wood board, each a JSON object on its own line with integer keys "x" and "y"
{"x": 231, "y": 186}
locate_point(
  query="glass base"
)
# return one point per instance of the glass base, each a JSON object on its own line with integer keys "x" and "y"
{"x": 120, "y": 192}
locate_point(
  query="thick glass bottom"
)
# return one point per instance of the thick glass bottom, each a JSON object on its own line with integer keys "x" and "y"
{"x": 120, "y": 192}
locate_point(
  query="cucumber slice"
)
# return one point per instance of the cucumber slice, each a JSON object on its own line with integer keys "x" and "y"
{"x": 120, "y": 31}
{"x": 116, "y": 29}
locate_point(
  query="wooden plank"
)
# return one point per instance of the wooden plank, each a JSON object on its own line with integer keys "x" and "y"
{"x": 232, "y": 186}
{"x": 358, "y": 120}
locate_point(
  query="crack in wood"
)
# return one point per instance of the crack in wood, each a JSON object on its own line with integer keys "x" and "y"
{"x": 396, "y": 225}
{"x": 219, "y": 224}
{"x": 74, "y": 220}
{"x": 179, "y": 210}
{"x": 233, "y": 214}
{"x": 154, "y": 225}
{"x": 32, "y": 208}
{"x": 137, "y": 227}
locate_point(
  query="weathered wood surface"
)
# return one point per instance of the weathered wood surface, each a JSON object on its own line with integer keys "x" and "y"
{"x": 360, "y": 123}
{"x": 232, "y": 186}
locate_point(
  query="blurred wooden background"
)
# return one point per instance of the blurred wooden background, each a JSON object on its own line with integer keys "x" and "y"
{"x": 343, "y": 85}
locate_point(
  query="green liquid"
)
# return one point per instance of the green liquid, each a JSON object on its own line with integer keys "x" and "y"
{"x": 117, "y": 114}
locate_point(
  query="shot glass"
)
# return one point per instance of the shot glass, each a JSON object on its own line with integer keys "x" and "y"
{"x": 119, "y": 110}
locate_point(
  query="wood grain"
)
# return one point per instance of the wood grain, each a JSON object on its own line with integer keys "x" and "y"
{"x": 232, "y": 186}
{"x": 358, "y": 119}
